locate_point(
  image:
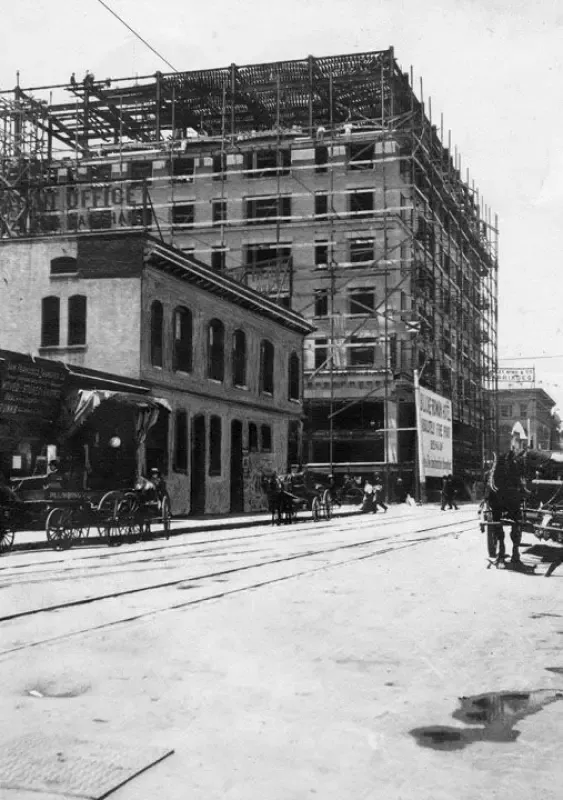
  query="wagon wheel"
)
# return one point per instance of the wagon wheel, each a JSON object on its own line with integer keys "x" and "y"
{"x": 59, "y": 528}
{"x": 7, "y": 534}
{"x": 108, "y": 511}
{"x": 316, "y": 509}
{"x": 327, "y": 503}
{"x": 128, "y": 515}
{"x": 166, "y": 515}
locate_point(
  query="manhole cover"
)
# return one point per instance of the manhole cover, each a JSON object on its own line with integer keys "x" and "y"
{"x": 74, "y": 768}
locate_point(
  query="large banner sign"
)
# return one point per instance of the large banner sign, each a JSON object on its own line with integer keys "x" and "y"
{"x": 435, "y": 432}
{"x": 516, "y": 375}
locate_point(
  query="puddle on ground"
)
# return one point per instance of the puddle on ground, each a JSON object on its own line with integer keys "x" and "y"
{"x": 189, "y": 586}
{"x": 495, "y": 714}
{"x": 557, "y": 670}
{"x": 541, "y": 614}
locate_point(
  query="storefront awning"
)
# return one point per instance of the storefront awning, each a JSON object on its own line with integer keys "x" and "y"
{"x": 86, "y": 401}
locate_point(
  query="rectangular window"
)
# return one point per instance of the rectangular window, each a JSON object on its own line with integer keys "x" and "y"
{"x": 219, "y": 166}
{"x": 183, "y": 214}
{"x": 261, "y": 210}
{"x": 321, "y": 158}
{"x": 321, "y": 302}
{"x": 321, "y": 205}
{"x": 218, "y": 259}
{"x": 321, "y": 352}
{"x": 141, "y": 216}
{"x": 267, "y": 163}
{"x": 361, "y": 251}
{"x": 266, "y": 255}
{"x": 506, "y": 410}
{"x": 181, "y": 441}
{"x": 99, "y": 220}
{"x": 156, "y": 446}
{"x": 321, "y": 254}
{"x": 183, "y": 169}
{"x": 76, "y": 320}
{"x": 141, "y": 170}
{"x": 362, "y": 301}
{"x": 50, "y": 321}
{"x": 219, "y": 211}
{"x": 361, "y": 203}
{"x": 523, "y": 410}
{"x": 361, "y": 155}
{"x": 215, "y": 446}
{"x": 361, "y": 352}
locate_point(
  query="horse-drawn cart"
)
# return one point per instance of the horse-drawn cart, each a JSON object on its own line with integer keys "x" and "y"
{"x": 115, "y": 516}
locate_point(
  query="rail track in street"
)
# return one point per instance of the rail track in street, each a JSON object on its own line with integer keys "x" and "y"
{"x": 392, "y": 542}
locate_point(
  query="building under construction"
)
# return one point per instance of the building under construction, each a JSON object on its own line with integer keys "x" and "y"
{"x": 322, "y": 182}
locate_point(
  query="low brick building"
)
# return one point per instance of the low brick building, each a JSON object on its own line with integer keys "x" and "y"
{"x": 533, "y": 409}
{"x": 227, "y": 359}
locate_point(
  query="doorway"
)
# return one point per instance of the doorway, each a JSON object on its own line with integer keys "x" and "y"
{"x": 197, "y": 479}
{"x": 237, "y": 480}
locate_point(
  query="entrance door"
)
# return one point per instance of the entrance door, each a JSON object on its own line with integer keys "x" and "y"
{"x": 197, "y": 481}
{"x": 237, "y": 484}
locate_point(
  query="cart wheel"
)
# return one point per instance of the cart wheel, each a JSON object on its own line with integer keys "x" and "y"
{"x": 127, "y": 515}
{"x": 107, "y": 513}
{"x": 316, "y": 509}
{"x": 6, "y": 538}
{"x": 166, "y": 514}
{"x": 327, "y": 503}
{"x": 59, "y": 528}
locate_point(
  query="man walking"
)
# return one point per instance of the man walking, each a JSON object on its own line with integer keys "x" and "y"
{"x": 448, "y": 493}
{"x": 378, "y": 494}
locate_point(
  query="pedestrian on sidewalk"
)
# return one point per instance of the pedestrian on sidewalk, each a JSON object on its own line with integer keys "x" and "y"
{"x": 378, "y": 494}
{"x": 367, "y": 504}
{"x": 448, "y": 493}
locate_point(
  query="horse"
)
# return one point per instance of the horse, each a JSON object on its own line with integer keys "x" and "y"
{"x": 504, "y": 493}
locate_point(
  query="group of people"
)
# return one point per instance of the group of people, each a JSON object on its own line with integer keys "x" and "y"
{"x": 373, "y": 496}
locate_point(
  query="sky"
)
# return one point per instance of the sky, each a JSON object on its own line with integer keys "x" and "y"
{"x": 493, "y": 68}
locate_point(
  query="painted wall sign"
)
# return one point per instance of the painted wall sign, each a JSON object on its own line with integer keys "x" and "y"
{"x": 30, "y": 391}
{"x": 435, "y": 430}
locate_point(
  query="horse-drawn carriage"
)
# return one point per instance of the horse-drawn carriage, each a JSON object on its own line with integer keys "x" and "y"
{"x": 525, "y": 491}
{"x": 68, "y": 513}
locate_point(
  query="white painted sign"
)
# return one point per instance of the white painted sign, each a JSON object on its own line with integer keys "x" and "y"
{"x": 516, "y": 375}
{"x": 435, "y": 431}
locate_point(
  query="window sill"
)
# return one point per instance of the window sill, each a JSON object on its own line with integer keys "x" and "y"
{"x": 242, "y": 386}
{"x": 65, "y": 276}
{"x": 58, "y": 348}
{"x": 186, "y": 372}
{"x": 215, "y": 380}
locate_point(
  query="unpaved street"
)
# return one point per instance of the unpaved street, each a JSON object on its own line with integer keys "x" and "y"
{"x": 319, "y": 659}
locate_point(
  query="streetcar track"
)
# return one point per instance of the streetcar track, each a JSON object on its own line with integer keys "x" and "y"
{"x": 229, "y": 571}
{"x": 220, "y": 595}
{"x": 72, "y": 564}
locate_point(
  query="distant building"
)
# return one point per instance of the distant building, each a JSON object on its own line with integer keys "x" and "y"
{"x": 227, "y": 360}
{"x": 533, "y": 409}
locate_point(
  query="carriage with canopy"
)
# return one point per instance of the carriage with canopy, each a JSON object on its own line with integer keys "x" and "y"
{"x": 96, "y": 482}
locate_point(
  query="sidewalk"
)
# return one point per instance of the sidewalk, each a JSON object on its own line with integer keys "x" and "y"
{"x": 37, "y": 539}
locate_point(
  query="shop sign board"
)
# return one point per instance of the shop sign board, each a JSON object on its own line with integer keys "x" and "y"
{"x": 30, "y": 391}
{"x": 516, "y": 375}
{"x": 435, "y": 431}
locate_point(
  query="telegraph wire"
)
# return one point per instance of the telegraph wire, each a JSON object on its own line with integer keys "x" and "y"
{"x": 138, "y": 35}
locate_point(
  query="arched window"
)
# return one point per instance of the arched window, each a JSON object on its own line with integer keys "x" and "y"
{"x": 294, "y": 377}
{"x": 76, "y": 320}
{"x": 252, "y": 437}
{"x": 266, "y": 435}
{"x": 156, "y": 333}
{"x": 215, "y": 446}
{"x": 50, "y": 322}
{"x": 267, "y": 367}
{"x": 183, "y": 340}
{"x": 239, "y": 358}
{"x": 63, "y": 265}
{"x": 216, "y": 350}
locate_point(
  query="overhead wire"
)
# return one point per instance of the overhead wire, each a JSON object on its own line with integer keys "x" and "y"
{"x": 138, "y": 35}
